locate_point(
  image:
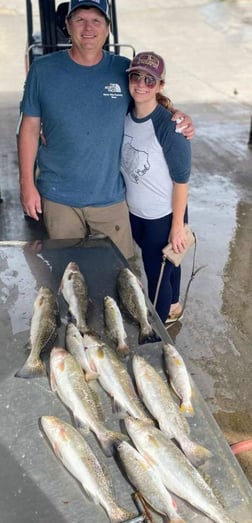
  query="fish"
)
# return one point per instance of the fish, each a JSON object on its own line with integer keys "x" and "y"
{"x": 158, "y": 400}
{"x": 178, "y": 378}
{"x": 75, "y": 344}
{"x": 176, "y": 472}
{"x": 78, "y": 458}
{"x": 43, "y": 333}
{"x": 114, "y": 325}
{"x": 67, "y": 380}
{"x": 132, "y": 297}
{"x": 146, "y": 480}
{"x": 113, "y": 376}
{"x": 74, "y": 289}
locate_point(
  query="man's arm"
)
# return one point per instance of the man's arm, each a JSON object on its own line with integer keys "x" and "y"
{"x": 28, "y": 140}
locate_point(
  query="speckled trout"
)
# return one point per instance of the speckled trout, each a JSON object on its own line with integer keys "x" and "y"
{"x": 132, "y": 296}
{"x": 67, "y": 380}
{"x": 74, "y": 289}
{"x": 178, "y": 377}
{"x": 113, "y": 377}
{"x": 78, "y": 458}
{"x": 75, "y": 344}
{"x": 114, "y": 325}
{"x": 158, "y": 400}
{"x": 146, "y": 480}
{"x": 43, "y": 332}
{"x": 176, "y": 471}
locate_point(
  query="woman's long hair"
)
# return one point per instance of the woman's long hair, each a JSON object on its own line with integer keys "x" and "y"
{"x": 164, "y": 100}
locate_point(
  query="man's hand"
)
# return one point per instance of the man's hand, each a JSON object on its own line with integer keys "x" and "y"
{"x": 31, "y": 201}
{"x": 185, "y": 125}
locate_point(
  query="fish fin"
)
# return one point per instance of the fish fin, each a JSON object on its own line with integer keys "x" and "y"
{"x": 122, "y": 350}
{"x": 90, "y": 375}
{"x": 148, "y": 336}
{"x": 60, "y": 289}
{"x": 149, "y": 422}
{"x": 53, "y": 384}
{"x": 110, "y": 440}
{"x": 187, "y": 408}
{"x": 31, "y": 369}
{"x": 90, "y": 495}
{"x": 197, "y": 454}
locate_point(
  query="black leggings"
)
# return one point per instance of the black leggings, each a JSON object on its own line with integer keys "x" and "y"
{"x": 152, "y": 236}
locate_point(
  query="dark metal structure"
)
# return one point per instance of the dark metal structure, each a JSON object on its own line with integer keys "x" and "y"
{"x": 52, "y": 34}
{"x": 250, "y": 135}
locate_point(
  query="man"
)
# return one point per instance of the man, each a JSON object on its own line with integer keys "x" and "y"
{"x": 81, "y": 97}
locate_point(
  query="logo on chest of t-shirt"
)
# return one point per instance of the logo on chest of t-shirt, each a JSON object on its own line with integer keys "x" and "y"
{"x": 112, "y": 90}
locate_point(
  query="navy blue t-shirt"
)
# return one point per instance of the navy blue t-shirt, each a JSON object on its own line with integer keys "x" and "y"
{"x": 83, "y": 110}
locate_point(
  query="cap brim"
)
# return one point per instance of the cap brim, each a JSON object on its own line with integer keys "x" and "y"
{"x": 145, "y": 70}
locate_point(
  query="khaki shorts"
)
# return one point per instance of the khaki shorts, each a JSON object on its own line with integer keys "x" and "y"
{"x": 63, "y": 222}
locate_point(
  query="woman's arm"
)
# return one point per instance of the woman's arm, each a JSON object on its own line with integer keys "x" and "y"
{"x": 179, "y": 201}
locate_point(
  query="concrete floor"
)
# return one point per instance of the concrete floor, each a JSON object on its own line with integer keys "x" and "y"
{"x": 208, "y": 51}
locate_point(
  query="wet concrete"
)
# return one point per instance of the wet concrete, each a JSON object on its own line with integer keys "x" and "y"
{"x": 208, "y": 51}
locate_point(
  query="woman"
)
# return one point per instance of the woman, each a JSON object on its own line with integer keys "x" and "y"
{"x": 156, "y": 164}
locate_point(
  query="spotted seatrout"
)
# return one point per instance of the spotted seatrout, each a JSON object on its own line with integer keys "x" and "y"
{"x": 78, "y": 458}
{"x": 43, "y": 332}
{"x": 132, "y": 296}
{"x": 178, "y": 377}
{"x": 114, "y": 325}
{"x": 67, "y": 380}
{"x": 74, "y": 289}
{"x": 113, "y": 377}
{"x": 158, "y": 400}
{"x": 175, "y": 470}
{"x": 146, "y": 480}
{"x": 75, "y": 344}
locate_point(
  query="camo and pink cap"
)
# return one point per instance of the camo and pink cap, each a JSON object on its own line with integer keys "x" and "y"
{"x": 150, "y": 63}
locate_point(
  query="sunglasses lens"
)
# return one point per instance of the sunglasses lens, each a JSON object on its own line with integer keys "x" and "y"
{"x": 149, "y": 81}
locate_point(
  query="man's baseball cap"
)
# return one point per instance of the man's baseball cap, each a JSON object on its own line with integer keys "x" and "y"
{"x": 102, "y": 5}
{"x": 150, "y": 63}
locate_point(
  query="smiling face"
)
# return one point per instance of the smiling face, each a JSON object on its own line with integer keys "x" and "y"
{"x": 88, "y": 29}
{"x": 143, "y": 87}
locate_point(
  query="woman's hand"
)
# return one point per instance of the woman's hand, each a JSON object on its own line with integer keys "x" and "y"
{"x": 178, "y": 239}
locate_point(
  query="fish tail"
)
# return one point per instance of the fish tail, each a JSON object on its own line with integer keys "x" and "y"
{"x": 122, "y": 350}
{"x": 196, "y": 453}
{"x": 31, "y": 369}
{"x": 110, "y": 440}
{"x": 118, "y": 514}
{"x": 148, "y": 336}
{"x": 187, "y": 408}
